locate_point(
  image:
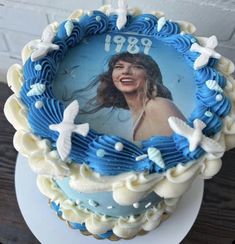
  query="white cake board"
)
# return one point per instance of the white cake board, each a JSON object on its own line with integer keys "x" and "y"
{"x": 49, "y": 229}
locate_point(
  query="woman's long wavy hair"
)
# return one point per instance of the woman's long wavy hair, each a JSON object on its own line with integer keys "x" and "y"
{"x": 108, "y": 96}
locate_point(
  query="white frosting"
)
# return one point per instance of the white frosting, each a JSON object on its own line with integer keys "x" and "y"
{"x": 41, "y": 159}
{"x": 186, "y": 27}
{"x": 15, "y": 78}
{"x": 125, "y": 227}
{"x": 16, "y": 113}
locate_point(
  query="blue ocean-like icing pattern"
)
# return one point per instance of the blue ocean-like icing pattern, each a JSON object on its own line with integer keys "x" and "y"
{"x": 210, "y": 108}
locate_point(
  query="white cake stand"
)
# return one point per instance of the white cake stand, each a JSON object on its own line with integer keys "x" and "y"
{"x": 49, "y": 229}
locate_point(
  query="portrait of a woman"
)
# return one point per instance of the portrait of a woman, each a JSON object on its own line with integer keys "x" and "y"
{"x": 134, "y": 82}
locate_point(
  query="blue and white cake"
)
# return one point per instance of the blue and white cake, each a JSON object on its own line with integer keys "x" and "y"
{"x": 113, "y": 164}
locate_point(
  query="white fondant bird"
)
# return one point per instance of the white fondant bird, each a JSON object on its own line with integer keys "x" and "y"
{"x": 66, "y": 128}
{"x": 194, "y": 135}
{"x": 45, "y": 45}
{"x": 122, "y": 12}
{"x": 205, "y": 52}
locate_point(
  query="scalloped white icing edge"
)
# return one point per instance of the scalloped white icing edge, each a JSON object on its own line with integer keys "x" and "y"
{"x": 46, "y": 162}
{"x": 124, "y": 227}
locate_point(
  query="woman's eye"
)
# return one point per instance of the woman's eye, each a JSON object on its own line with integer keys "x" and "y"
{"x": 118, "y": 66}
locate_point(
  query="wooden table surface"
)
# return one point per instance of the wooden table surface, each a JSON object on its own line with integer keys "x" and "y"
{"x": 214, "y": 224}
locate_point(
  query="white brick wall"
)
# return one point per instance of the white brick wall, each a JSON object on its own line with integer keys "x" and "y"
{"x": 24, "y": 20}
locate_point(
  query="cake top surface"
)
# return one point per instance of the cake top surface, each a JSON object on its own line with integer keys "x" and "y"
{"x": 77, "y": 85}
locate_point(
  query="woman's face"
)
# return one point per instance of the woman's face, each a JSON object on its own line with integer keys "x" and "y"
{"x": 129, "y": 77}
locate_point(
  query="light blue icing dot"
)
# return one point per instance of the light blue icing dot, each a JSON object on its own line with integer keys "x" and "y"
{"x": 219, "y": 98}
{"x": 193, "y": 40}
{"x": 38, "y": 104}
{"x": 147, "y": 18}
{"x": 38, "y": 67}
{"x": 93, "y": 203}
{"x": 100, "y": 153}
{"x": 98, "y": 18}
{"x": 208, "y": 114}
{"x": 109, "y": 207}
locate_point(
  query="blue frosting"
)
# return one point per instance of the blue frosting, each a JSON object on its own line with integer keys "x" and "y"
{"x": 209, "y": 108}
{"x": 78, "y": 226}
{"x": 95, "y": 24}
{"x": 104, "y": 200}
{"x": 114, "y": 162}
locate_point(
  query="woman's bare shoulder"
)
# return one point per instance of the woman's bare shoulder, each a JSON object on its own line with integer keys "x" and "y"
{"x": 159, "y": 101}
{"x": 165, "y": 106}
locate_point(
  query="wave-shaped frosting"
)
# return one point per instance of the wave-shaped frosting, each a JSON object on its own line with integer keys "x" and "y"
{"x": 113, "y": 161}
{"x": 210, "y": 118}
{"x": 206, "y": 73}
{"x": 95, "y": 24}
{"x": 112, "y": 23}
{"x": 169, "y": 152}
{"x": 76, "y": 35}
{"x": 45, "y": 68}
{"x": 169, "y": 28}
{"x": 59, "y": 54}
{"x": 182, "y": 43}
{"x": 217, "y": 101}
{"x": 182, "y": 145}
{"x": 40, "y": 119}
{"x": 143, "y": 24}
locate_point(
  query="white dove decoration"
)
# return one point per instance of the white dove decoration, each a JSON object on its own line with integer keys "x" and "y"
{"x": 195, "y": 136}
{"x": 122, "y": 14}
{"x": 205, "y": 52}
{"x": 67, "y": 127}
{"x": 45, "y": 45}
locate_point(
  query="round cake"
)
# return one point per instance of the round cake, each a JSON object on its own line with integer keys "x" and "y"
{"x": 118, "y": 112}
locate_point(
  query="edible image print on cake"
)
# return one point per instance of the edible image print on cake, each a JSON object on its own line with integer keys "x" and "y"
{"x": 127, "y": 85}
